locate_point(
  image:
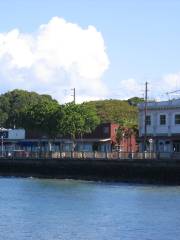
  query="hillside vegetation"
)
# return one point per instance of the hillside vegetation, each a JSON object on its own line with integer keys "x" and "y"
{"x": 42, "y": 114}
{"x": 36, "y": 112}
{"x": 117, "y": 110}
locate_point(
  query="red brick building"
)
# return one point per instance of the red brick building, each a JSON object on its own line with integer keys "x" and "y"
{"x": 103, "y": 138}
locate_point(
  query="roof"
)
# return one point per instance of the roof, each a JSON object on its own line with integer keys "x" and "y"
{"x": 170, "y": 104}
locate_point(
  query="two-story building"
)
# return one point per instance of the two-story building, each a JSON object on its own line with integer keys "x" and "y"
{"x": 102, "y": 139}
{"x": 162, "y": 126}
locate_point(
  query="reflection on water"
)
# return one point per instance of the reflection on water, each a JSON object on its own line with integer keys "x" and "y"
{"x": 67, "y": 209}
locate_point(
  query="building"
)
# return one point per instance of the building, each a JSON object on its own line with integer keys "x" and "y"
{"x": 102, "y": 139}
{"x": 12, "y": 134}
{"x": 162, "y": 124}
{"x": 10, "y": 138}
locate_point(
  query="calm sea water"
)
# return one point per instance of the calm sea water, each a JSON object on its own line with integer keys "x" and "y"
{"x": 70, "y": 210}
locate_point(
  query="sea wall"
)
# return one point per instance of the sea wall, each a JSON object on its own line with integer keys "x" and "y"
{"x": 140, "y": 171}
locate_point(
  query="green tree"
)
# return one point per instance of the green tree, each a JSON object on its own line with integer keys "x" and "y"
{"x": 30, "y": 110}
{"x": 134, "y": 101}
{"x": 13, "y": 104}
{"x": 43, "y": 116}
{"x": 77, "y": 120}
{"x": 114, "y": 110}
{"x": 91, "y": 120}
{"x": 127, "y": 129}
{"x": 119, "y": 134}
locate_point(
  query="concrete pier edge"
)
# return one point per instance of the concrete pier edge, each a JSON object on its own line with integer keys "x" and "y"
{"x": 140, "y": 171}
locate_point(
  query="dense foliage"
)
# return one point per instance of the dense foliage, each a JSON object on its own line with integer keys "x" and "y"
{"x": 14, "y": 104}
{"x": 44, "y": 116}
{"x": 126, "y": 129}
{"x": 78, "y": 119}
{"x": 36, "y": 112}
{"x": 41, "y": 113}
{"x": 117, "y": 110}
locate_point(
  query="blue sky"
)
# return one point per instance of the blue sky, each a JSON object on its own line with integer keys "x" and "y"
{"x": 142, "y": 38}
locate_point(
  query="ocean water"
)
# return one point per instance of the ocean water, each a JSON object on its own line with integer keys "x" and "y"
{"x": 42, "y": 209}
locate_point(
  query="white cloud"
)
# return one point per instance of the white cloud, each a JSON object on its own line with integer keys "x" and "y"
{"x": 168, "y": 86}
{"x": 60, "y": 55}
{"x": 172, "y": 81}
{"x": 129, "y": 88}
{"x": 157, "y": 89}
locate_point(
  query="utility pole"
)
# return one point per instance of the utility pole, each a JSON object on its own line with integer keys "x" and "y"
{"x": 2, "y": 154}
{"x": 145, "y": 116}
{"x": 74, "y": 95}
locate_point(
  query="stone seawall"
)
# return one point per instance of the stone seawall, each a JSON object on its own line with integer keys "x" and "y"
{"x": 140, "y": 171}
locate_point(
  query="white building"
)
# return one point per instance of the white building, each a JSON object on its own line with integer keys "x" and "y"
{"x": 12, "y": 134}
{"x": 163, "y": 126}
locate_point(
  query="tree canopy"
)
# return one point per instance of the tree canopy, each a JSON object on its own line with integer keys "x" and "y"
{"x": 116, "y": 110}
{"x": 32, "y": 111}
{"x": 44, "y": 115}
{"x": 78, "y": 119}
{"x": 41, "y": 113}
{"x": 15, "y": 103}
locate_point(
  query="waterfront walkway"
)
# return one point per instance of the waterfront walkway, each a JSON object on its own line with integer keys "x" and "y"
{"x": 89, "y": 155}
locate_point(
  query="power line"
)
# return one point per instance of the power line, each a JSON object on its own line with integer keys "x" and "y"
{"x": 168, "y": 93}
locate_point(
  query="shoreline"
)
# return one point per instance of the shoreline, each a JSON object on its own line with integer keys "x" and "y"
{"x": 123, "y": 171}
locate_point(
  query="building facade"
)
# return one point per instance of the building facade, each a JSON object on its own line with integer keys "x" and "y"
{"x": 102, "y": 139}
{"x": 162, "y": 124}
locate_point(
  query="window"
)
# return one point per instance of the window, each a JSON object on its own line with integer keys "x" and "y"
{"x": 177, "y": 119}
{"x": 148, "y": 120}
{"x": 106, "y": 130}
{"x": 162, "y": 119}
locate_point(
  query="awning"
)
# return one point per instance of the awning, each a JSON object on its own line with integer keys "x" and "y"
{"x": 27, "y": 144}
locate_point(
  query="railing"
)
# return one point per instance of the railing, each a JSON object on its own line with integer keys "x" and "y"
{"x": 89, "y": 155}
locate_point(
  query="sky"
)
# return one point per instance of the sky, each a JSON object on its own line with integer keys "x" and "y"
{"x": 106, "y": 49}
